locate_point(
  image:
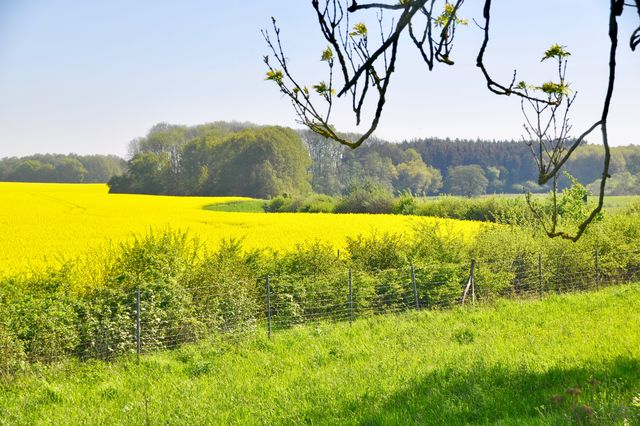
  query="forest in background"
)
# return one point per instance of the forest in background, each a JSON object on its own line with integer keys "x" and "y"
{"x": 232, "y": 158}
{"x": 61, "y": 168}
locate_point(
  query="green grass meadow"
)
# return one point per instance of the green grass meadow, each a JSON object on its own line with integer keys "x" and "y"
{"x": 572, "y": 359}
{"x": 244, "y": 206}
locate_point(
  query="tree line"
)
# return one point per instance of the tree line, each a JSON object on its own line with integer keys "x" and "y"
{"x": 233, "y": 158}
{"x": 459, "y": 167}
{"x": 216, "y": 159}
{"x": 71, "y": 168}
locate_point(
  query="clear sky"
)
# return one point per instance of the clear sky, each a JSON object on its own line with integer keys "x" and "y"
{"x": 88, "y": 76}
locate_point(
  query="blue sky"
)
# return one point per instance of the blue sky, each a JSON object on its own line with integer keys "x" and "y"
{"x": 89, "y": 76}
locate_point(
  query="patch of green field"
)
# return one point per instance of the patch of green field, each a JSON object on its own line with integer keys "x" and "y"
{"x": 612, "y": 203}
{"x": 567, "y": 359}
{"x": 619, "y": 203}
{"x": 244, "y": 206}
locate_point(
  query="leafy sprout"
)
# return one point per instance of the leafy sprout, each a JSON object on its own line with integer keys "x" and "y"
{"x": 359, "y": 30}
{"x": 275, "y": 75}
{"x": 556, "y": 51}
{"x": 557, "y": 89}
{"x": 323, "y": 90}
{"x": 327, "y": 54}
{"x": 447, "y": 15}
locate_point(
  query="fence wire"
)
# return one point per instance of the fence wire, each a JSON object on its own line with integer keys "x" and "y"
{"x": 154, "y": 318}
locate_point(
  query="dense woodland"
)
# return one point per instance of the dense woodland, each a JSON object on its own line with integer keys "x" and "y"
{"x": 217, "y": 159}
{"x": 61, "y": 168}
{"x": 230, "y": 158}
{"x": 460, "y": 167}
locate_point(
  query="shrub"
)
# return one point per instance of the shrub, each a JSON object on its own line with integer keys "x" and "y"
{"x": 440, "y": 285}
{"x": 283, "y": 204}
{"x": 41, "y": 314}
{"x": 223, "y": 290}
{"x": 12, "y": 356}
{"x": 489, "y": 209}
{"x": 367, "y": 197}
{"x": 312, "y": 259}
{"x": 405, "y": 204}
{"x": 107, "y": 323}
{"x": 187, "y": 293}
{"x": 377, "y": 252}
{"x": 438, "y": 243}
{"x": 154, "y": 265}
{"x": 393, "y": 290}
{"x": 318, "y": 204}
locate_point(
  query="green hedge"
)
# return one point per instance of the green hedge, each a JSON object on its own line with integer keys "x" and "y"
{"x": 188, "y": 293}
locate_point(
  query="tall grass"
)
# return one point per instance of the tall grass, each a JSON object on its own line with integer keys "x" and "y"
{"x": 567, "y": 359}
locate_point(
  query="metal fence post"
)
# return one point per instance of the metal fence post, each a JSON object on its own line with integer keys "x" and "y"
{"x": 470, "y": 283}
{"x": 473, "y": 281}
{"x": 350, "y": 298}
{"x": 268, "y": 291}
{"x": 415, "y": 288}
{"x": 540, "y": 275}
{"x": 597, "y": 271}
{"x": 138, "y": 343}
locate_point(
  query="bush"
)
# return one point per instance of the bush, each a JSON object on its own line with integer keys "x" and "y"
{"x": 440, "y": 285}
{"x": 283, "y": 204}
{"x": 366, "y": 198}
{"x": 187, "y": 293}
{"x": 318, "y": 204}
{"x": 41, "y": 314}
{"x": 489, "y": 209}
{"x": 376, "y": 199}
{"x": 445, "y": 207}
{"x": 439, "y": 243}
{"x": 12, "y": 356}
{"x": 223, "y": 289}
{"x": 108, "y": 323}
{"x": 405, "y": 204}
{"x": 155, "y": 265}
{"x": 377, "y": 252}
{"x": 312, "y": 204}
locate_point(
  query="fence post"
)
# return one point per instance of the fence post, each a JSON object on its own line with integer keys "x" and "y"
{"x": 268, "y": 291}
{"x": 597, "y": 270}
{"x": 138, "y": 345}
{"x": 415, "y": 288}
{"x": 540, "y": 275}
{"x": 473, "y": 281}
{"x": 350, "y": 298}
{"x": 470, "y": 283}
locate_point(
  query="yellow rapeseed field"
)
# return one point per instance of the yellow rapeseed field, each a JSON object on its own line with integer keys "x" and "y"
{"x": 47, "y": 223}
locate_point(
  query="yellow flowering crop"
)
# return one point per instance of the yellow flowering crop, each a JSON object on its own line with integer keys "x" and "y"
{"x": 47, "y": 223}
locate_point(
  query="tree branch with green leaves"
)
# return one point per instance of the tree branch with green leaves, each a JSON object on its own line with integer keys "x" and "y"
{"x": 361, "y": 68}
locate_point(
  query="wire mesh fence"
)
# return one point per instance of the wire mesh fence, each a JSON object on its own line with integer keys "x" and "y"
{"x": 158, "y": 317}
